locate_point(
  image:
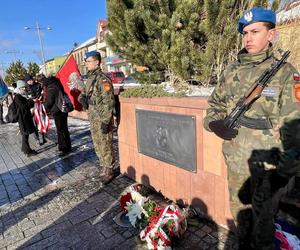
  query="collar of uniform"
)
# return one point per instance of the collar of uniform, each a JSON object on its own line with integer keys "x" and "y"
{"x": 245, "y": 58}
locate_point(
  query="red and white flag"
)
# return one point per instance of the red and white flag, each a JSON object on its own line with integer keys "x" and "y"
{"x": 70, "y": 78}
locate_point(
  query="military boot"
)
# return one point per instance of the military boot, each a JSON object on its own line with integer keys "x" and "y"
{"x": 106, "y": 175}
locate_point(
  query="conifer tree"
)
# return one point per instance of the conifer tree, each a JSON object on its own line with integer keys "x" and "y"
{"x": 161, "y": 34}
{"x": 15, "y": 71}
{"x": 187, "y": 39}
{"x": 261, "y": 3}
{"x": 224, "y": 42}
{"x": 276, "y": 5}
{"x": 33, "y": 68}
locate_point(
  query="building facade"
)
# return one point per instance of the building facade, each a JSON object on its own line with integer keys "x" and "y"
{"x": 54, "y": 64}
{"x": 79, "y": 53}
{"x": 111, "y": 61}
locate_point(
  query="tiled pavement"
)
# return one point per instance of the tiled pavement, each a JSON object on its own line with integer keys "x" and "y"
{"x": 48, "y": 202}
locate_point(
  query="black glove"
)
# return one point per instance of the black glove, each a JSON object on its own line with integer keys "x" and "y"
{"x": 104, "y": 128}
{"x": 222, "y": 131}
{"x": 84, "y": 102}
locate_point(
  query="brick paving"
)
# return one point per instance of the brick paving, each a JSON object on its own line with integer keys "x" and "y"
{"x": 48, "y": 202}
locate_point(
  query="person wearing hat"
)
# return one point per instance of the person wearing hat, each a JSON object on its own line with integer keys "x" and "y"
{"x": 24, "y": 117}
{"x": 34, "y": 91}
{"x": 98, "y": 97}
{"x": 277, "y": 102}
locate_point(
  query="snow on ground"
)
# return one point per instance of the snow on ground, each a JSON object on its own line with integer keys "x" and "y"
{"x": 193, "y": 90}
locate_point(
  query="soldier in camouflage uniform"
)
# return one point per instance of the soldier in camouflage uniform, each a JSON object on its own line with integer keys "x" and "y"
{"x": 97, "y": 96}
{"x": 277, "y": 102}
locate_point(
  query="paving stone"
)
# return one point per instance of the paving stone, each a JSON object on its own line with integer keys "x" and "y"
{"x": 26, "y": 224}
{"x": 108, "y": 232}
{"x": 83, "y": 216}
{"x": 25, "y": 242}
{"x": 11, "y": 240}
{"x": 55, "y": 229}
{"x": 33, "y": 231}
{"x": 44, "y": 243}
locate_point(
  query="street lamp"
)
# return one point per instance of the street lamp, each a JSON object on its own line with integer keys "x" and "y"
{"x": 38, "y": 28}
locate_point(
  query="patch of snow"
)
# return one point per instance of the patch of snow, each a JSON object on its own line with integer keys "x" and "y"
{"x": 288, "y": 15}
{"x": 201, "y": 91}
{"x": 193, "y": 90}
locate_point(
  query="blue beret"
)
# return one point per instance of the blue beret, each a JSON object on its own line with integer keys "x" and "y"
{"x": 256, "y": 14}
{"x": 93, "y": 53}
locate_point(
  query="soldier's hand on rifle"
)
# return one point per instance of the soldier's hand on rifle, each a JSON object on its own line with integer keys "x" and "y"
{"x": 219, "y": 128}
{"x": 104, "y": 128}
{"x": 84, "y": 101}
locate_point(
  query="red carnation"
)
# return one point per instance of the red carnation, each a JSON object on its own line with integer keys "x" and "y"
{"x": 123, "y": 199}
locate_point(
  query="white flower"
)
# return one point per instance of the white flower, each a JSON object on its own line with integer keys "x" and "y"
{"x": 135, "y": 210}
{"x": 136, "y": 196}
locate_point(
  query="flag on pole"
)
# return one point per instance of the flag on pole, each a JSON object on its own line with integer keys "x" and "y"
{"x": 3, "y": 90}
{"x": 70, "y": 78}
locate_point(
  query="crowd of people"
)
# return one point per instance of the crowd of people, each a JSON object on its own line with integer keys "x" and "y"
{"x": 34, "y": 99}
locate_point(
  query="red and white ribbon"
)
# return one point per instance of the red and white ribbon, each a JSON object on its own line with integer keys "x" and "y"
{"x": 170, "y": 212}
{"x": 40, "y": 116}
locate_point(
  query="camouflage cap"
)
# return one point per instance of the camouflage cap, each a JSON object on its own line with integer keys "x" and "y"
{"x": 256, "y": 14}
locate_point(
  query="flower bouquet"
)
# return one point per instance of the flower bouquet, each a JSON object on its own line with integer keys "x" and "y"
{"x": 137, "y": 207}
{"x": 159, "y": 225}
{"x": 163, "y": 227}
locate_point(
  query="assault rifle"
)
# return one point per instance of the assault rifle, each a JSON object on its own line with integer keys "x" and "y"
{"x": 236, "y": 118}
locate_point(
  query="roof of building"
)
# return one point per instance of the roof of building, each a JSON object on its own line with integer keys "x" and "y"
{"x": 86, "y": 43}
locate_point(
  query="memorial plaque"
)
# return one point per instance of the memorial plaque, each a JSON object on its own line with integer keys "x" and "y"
{"x": 167, "y": 137}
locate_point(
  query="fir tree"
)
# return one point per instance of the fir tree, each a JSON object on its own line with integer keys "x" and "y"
{"x": 224, "y": 42}
{"x": 15, "y": 71}
{"x": 261, "y": 3}
{"x": 276, "y": 4}
{"x": 161, "y": 34}
{"x": 33, "y": 68}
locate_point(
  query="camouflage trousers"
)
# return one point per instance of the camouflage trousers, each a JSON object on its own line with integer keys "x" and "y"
{"x": 239, "y": 185}
{"x": 103, "y": 143}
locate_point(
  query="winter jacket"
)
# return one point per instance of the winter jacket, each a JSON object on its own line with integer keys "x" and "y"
{"x": 53, "y": 86}
{"x": 24, "y": 114}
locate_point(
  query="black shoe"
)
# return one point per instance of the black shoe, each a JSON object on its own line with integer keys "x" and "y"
{"x": 2, "y": 122}
{"x": 42, "y": 142}
{"x": 31, "y": 153}
{"x": 64, "y": 153}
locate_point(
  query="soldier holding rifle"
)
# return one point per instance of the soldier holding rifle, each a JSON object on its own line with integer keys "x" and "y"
{"x": 265, "y": 108}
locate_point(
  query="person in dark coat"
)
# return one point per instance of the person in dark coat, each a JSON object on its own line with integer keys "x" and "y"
{"x": 53, "y": 86}
{"x": 34, "y": 91}
{"x": 26, "y": 126}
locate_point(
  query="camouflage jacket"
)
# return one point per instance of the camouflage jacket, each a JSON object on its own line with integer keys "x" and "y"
{"x": 100, "y": 91}
{"x": 277, "y": 101}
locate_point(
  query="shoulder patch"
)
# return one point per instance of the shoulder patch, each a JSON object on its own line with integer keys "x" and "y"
{"x": 296, "y": 77}
{"x": 297, "y": 91}
{"x": 106, "y": 86}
